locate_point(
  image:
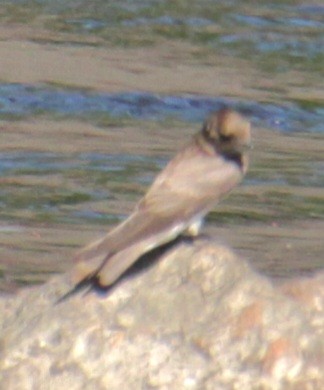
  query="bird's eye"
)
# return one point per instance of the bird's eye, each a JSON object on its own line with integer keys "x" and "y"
{"x": 225, "y": 138}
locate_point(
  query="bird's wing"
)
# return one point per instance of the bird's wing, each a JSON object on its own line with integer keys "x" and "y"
{"x": 139, "y": 233}
{"x": 190, "y": 183}
{"x": 189, "y": 186}
{"x": 113, "y": 267}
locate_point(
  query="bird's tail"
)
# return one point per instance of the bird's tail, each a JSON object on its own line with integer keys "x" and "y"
{"x": 85, "y": 285}
{"x": 88, "y": 263}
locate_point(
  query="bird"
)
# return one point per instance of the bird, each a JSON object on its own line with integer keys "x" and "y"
{"x": 203, "y": 172}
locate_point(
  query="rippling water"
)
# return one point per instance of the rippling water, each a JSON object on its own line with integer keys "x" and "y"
{"x": 17, "y": 100}
{"x": 277, "y": 37}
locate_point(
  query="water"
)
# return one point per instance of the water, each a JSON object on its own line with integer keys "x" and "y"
{"x": 19, "y": 100}
{"x": 74, "y": 156}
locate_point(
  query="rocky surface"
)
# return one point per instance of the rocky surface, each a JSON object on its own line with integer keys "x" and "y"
{"x": 200, "y": 318}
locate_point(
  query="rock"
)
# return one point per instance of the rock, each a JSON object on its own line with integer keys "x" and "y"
{"x": 200, "y": 318}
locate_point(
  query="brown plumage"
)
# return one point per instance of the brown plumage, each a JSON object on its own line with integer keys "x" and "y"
{"x": 181, "y": 195}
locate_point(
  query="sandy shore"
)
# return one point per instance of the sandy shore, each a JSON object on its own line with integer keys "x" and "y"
{"x": 29, "y": 55}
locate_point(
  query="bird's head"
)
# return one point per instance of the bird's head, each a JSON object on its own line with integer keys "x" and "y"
{"x": 227, "y": 131}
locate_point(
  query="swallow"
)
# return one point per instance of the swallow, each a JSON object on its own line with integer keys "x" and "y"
{"x": 210, "y": 166}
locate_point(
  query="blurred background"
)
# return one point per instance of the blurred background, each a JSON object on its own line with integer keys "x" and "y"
{"x": 96, "y": 96}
